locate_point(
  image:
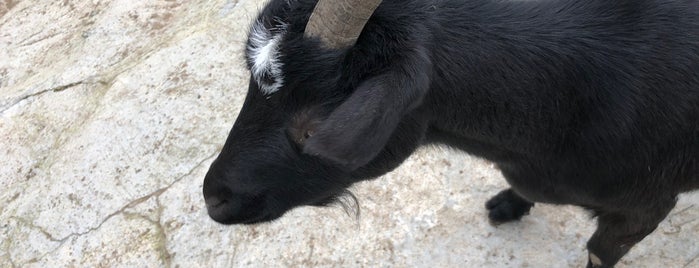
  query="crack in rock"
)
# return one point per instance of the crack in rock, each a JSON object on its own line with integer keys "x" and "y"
{"x": 161, "y": 243}
{"x": 688, "y": 263}
{"x": 122, "y": 210}
{"x": 27, "y": 42}
{"x": 33, "y": 226}
{"x": 9, "y": 257}
{"x": 165, "y": 254}
{"x": 41, "y": 92}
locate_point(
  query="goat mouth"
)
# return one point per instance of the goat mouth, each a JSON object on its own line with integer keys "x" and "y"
{"x": 324, "y": 202}
{"x": 266, "y": 217}
{"x": 248, "y": 220}
{"x": 234, "y": 209}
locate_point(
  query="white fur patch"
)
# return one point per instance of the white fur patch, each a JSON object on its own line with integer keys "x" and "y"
{"x": 263, "y": 54}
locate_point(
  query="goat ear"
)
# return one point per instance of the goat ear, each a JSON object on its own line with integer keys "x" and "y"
{"x": 358, "y": 129}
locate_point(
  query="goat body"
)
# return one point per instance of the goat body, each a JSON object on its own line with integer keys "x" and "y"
{"x": 592, "y": 103}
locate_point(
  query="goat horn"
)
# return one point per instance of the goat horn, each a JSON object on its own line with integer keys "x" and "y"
{"x": 338, "y": 23}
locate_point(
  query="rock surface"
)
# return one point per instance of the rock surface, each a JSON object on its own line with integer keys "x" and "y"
{"x": 111, "y": 112}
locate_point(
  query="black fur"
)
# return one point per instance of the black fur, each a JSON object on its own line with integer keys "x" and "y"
{"x": 593, "y": 103}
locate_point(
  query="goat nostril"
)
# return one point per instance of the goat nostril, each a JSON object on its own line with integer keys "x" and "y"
{"x": 214, "y": 202}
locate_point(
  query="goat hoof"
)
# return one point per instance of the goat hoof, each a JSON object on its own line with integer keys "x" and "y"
{"x": 506, "y": 206}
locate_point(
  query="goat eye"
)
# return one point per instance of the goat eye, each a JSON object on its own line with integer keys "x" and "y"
{"x": 300, "y": 136}
{"x": 303, "y": 126}
{"x": 308, "y": 134}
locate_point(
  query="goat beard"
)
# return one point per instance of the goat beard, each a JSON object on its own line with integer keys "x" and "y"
{"x": 345, "y": 200}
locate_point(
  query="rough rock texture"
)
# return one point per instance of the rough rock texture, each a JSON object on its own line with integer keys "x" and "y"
{"x": 111, "y": 112}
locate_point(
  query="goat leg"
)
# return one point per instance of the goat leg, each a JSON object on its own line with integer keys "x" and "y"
{"x": 617, "y": 232}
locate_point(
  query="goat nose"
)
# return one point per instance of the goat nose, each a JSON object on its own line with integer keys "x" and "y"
{"x": 223, "y": 209}
{"x": 214, "y": 202}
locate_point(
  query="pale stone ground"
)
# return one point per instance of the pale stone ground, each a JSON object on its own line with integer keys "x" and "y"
{"x": 111, "y": 112}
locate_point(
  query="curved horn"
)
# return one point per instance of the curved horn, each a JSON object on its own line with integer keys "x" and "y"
{"x": 338, "y": 23}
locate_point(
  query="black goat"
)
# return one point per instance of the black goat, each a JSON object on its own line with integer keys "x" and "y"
{"x": 593, "y": 103}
